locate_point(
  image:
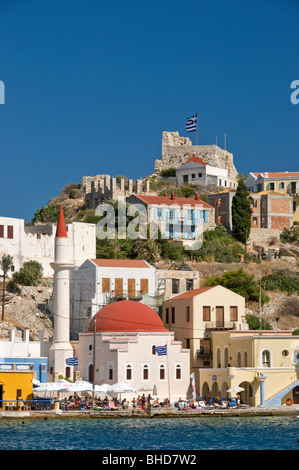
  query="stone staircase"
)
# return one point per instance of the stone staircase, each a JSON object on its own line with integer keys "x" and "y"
{"x": 275, "y": 400}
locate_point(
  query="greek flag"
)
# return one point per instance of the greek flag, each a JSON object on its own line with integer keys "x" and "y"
{"x": 72, "y": 361}
{"x": 191, "y": 123}
{"x": 161, "y": 350}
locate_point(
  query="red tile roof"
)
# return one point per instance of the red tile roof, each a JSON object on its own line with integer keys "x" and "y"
{"x": 278, "y": 174}
{"x": 120, "y": 263}
{"x": 196, "y": 160}
{"x": 191, "y": 293}
{"x": 168, "y": 200}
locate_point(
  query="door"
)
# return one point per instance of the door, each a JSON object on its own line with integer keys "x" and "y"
{"x": 119, "y": 286}
{"x": 219, "y": 317}
{"x": 131, "y": 288}
{"x": 106, "y": 285}
{"x": 144, "y": 286}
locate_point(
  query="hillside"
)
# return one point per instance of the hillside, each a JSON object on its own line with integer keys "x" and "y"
{"x": 29, "y": 308}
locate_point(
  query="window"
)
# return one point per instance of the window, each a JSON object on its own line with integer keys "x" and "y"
{"x": 193, "y": 176}
{"x": 153, "y": 350}
{"x": 254, "y": 220}
{"x": 233, "y": 313}
{"x": 178, "y": 372}
{"x": 1, "y": 231}
{"x": 175, "y": 286}
{"x": 271, "y": 186}
{"x": 162, "y": 371}
{"x": 199, "y": 175}
{"x": 129, "y": 372}
{"x": 173, "y": 315}
{"x": 266, "y": 358}
{"x": 189, "y": 284}
{"x": 282, "y": 185}
{"x": 206, "y": 313}
{"x": 145, "y": 372}
{"x": 285, "y": 353}
{"x": 188, "y": 314}
{"x": 110, "y": 372}
{"x": 10, "y": 231}
{"x": 187, "y": 343}
{"x": 167, "y": 315}
{"x": 294, "y": 206}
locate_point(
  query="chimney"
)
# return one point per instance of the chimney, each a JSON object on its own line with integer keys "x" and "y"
{"x": 197, "y": 197}
{"x": 172, "y": 197}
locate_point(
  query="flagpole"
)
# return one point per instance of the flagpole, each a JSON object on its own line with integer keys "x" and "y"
{"x": 197, "y": 128}
{"x": 168, "y": 371}
{"x": 94, "y": 359}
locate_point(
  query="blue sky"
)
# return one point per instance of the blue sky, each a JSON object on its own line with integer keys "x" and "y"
{"x": 90, "y": 85}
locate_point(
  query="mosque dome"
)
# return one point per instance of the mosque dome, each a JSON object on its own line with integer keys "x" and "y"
{"x": 126, "y": 316}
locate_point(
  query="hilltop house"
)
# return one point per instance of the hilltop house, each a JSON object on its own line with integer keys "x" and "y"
{"x": 178, "y": 218}
{"x": 199, "y": 172}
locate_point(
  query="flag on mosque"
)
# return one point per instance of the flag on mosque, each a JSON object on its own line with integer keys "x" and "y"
{"x": 191, "y": 123}
{"x": 161, "y": 350}
{"x": 72, "y": 361}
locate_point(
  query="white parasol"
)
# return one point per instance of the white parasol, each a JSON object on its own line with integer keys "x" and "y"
{"x": 121, "y": 387}
{"x": 236, "y": 389}
{"x": 57, "y": 386}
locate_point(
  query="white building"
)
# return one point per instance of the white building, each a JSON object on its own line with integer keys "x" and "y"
{"x": 125, "y": 339}
{"x": 37, "y": 242}
{"x": 197, "y": 171}
{"x": 97, "y": 282}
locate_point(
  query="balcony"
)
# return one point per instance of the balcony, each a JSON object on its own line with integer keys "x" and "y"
{"x": 221, "y": 325}
{"x": 203, "y": 352}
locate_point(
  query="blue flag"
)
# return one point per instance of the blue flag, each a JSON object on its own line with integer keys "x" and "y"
{"x": 72, "y": 361}
{"x": 191, "y": 123}
{"x": 161, "y": 350}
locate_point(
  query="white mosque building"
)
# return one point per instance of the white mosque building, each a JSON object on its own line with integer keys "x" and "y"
{"x": 121, "y": 344}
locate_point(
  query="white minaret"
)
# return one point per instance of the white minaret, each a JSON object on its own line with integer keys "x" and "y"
{"x": 61, "y": 348}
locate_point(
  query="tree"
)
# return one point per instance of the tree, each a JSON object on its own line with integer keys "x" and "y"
{"x": 29, "y": 274}
{"x": 6, "y": 264}
{"x": 241, "y": 212}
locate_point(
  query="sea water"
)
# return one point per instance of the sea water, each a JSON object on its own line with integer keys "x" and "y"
{"x": 196, "y": 433}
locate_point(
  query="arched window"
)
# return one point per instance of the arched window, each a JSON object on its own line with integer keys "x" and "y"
{"x": 145, "y": 372}
{"x": 218, "y": 359}
{"x": 225, "y": 357}
{"x": 178, "y": 372}
{"x": 129, "y": 372}
{"x": 238, "y": 359}
{"x": 162, "y": 372}
{"x": 245, "y": 359}
{"x": 266, "y": 358}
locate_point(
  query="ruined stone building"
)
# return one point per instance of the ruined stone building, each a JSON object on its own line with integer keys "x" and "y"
{"x": 176, "y": 150}
{"x": 100, "y": 188}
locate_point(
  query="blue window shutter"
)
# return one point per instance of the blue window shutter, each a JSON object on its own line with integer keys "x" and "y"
{"x": 193, "y": 217}
{"x": 205, "y": 216}
{"x": 156, "y": 214}
{"x": 163, "y": 214}
{"x": 175, "y": 216}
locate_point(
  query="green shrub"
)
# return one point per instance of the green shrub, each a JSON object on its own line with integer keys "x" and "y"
{"x": 30, "y": 274}
{"x": 282, "y": 280}
{"x": 168, "y": 172}
{"x": 256, "y": 323}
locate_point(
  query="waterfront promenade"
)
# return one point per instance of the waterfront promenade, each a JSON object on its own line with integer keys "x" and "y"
{"x": 153, "y": 413}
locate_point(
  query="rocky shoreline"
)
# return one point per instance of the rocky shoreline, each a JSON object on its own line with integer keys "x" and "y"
{"x": 161, "y": 413}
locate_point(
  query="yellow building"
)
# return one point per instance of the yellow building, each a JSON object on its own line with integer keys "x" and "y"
{"x": 265, "y": 364}
{"x": 283, "y": 182}
{"x": 16, "y": 383}
{"x": 193, "y": 315}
